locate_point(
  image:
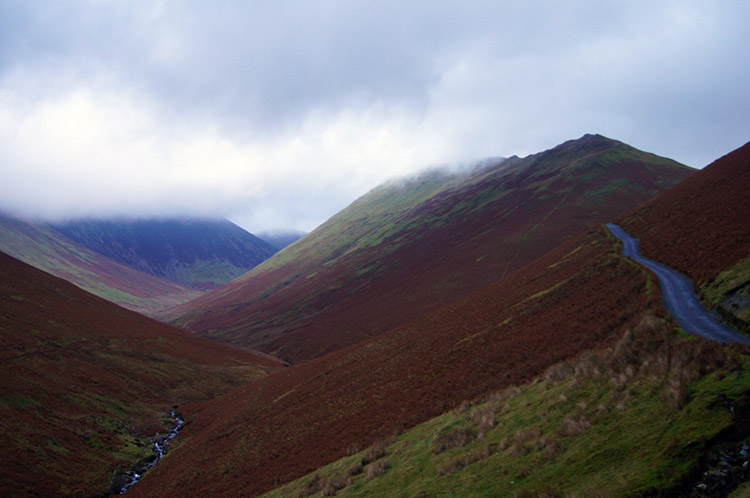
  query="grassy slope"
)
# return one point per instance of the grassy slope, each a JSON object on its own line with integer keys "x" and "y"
{"x": 403, "y": 250}
{"x": 49, "y": 251}
{"x": 576, "y": 298}
{"x": 631, "y": 419}
{"x": 84, "y": 382}
{"x": 619, "y": 422}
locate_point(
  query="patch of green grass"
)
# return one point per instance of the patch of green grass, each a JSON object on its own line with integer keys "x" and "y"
{"x": 741, "y": 492}
{"x": 55, "y": 446}
{"x": 218, "y": 271}
{"x": 93, "y": 442}
{"x": 124, "y": 442}
{"x": 100, "y": 402}
{"x": 133, "y": 448}
{"x": 16, "y": 402}
{"x": 367, "y": 269}
{"x": 602, "y": 192}
{"x": 730, "y": 290}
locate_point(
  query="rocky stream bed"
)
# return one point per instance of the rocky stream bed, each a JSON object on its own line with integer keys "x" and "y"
{"x": 124, "y": 478}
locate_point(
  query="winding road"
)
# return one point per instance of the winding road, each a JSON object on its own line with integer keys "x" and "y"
{"x": 678, "y": 295}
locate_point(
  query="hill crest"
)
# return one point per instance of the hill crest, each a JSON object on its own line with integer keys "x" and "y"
{"x": 405, "y": 248}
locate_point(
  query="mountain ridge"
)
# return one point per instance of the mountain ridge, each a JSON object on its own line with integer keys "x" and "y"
{"x": 658, "y": 413}
{"x": 374, "y": 265}
{"x": 582, "y": 294}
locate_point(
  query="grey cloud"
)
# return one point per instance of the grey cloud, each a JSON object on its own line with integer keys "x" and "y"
{"x": 272, "y": 60}
{"x": 288, "y": 89}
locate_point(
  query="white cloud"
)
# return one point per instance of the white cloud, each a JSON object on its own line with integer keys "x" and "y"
{"x": 100, "y": 152}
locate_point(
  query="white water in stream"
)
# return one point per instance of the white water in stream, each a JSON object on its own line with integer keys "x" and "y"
{"x": 160, "y": 447}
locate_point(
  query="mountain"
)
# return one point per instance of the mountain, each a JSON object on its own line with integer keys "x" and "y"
{"x": 86, "y": 383}
{"x": 406, "y": 248}
{"x": 198, "y": 253}
{"x": 279, "y": 239}
{"x": 48, "y": 250}
{"x": 651, "y": 406}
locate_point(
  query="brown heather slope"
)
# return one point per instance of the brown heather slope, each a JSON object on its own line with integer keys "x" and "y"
{"x": 701, "y": 226}
{"x": 83, "y": 381}
{"x": 577, "y": 297}
{"x": 404, "y": 250}
{"x": 54, "y": 253}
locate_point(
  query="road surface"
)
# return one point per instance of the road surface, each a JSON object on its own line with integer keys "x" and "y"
{"x": 678, "y": 295}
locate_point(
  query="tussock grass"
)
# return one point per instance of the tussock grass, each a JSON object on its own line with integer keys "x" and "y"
{"x": 375, "y": 452}
{"x": 624, "y": 420}
{"x": 454, "y": 438}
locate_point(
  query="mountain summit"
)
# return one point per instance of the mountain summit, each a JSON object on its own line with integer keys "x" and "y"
{"x": 405, "y": 248}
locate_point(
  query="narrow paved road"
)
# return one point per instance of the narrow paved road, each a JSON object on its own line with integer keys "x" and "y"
{"x": 678, "y": 295}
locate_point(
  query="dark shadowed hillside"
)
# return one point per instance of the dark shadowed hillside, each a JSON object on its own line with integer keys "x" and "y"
{"x": 405, "y": 248}
{"x": 198, "y": 253}
{"x": 85, "y": 382}
{"x": 48, "y": 250}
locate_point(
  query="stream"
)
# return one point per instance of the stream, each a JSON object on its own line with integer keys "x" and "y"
{"x": 122, "y": 481}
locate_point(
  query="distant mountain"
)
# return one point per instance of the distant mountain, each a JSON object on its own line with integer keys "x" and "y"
{"x": 86, "y": 383}
{"x": 406, "y": 248}
{"x": 197, "y": 253}
{"x": 279, "y": 239}
{"x": 48, "y": 250}
{"x": 581, "y": 300}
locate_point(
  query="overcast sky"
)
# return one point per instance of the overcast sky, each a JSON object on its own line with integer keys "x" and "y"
{"x": 277, "y": 114}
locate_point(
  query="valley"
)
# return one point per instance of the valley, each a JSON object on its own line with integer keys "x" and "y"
{"x": 474, "y": 333}
{"x": 87, "y": 383}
